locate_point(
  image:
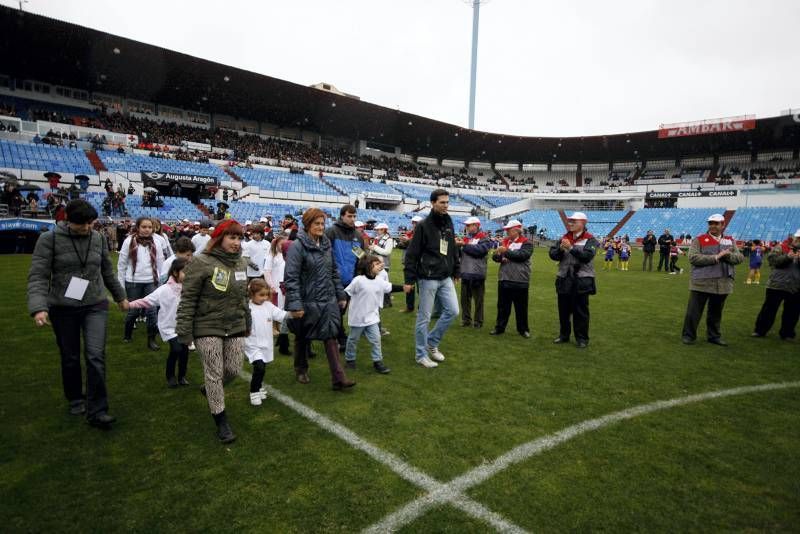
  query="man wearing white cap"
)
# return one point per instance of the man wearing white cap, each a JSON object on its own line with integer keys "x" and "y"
{"x": 783, "y": 286}
{"x": 575, "y": 279}
{"x": 474, "y": 251}
{"x": 712, "y": 257}
{"x": 402, "y": 243}
{"x": 361, "y": 229}
{"x": 513, "y": 279}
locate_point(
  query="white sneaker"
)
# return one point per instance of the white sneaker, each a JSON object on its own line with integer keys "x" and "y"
{"x": 427, "y": 362}
{"x": 263, "y": 393}
{"x": 435, "y": 354}
{"x": 385, "y": 332}
{"x": 191, "y": 346}
{"x": 255, "y": 398}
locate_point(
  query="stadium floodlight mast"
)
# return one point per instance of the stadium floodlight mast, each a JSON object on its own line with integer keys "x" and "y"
{"x": 476, "y": 10}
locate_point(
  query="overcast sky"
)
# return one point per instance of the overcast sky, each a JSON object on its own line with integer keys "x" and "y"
{"x": 547, "y": 68}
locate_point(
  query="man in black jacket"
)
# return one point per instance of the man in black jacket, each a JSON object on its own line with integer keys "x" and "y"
{"x": 432, "y": 261}
{"x": 665, "y": 242}
{"x": 648, "y": 248}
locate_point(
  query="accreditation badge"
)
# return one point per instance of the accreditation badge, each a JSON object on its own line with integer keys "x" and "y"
{"x": 220, "y": 279}
{"x": 443, "y": 247}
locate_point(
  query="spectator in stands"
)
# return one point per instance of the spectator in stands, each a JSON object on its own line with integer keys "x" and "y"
{"x": 432, "y": 260}
{"x": 201, "y": 239}
{"x": 712, "y": 256}
{"x": 314, "y": 288}
{"x": 53, "y": 179}
{"x": 783, "y": 286}
{"x": 139, "y": 262}
{"x": 474, "y": 248}
{"x": 289, "y": 227}
{"x": 575, "y": 280}
{"x": 648, "y": 249}
{"x": 214, "y": 314}
{"x": 347, "y": 248}
{"x": 70, "y": 273}
{"x": 514, "y": 256}
{"x": 665, "y": 242}
{"x": 83, "y": 182}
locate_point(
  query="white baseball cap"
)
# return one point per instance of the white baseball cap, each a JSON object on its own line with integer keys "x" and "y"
{"x": 185, "y": 220}
{"x": 360, "y": 224}
{"x": 248, "y": 222}
{"x": 797, "y": 233}
{"x": 513, "y": 223}
{"x": 196, "y": 223}
{"x": 381, "y": 226}
{"x": 472, "y": 220}
{"x": 263, "y": 219}
{"x": 416, "y": 218}
{"x": 578, "y": 216}
{"x": 717, "y": 217}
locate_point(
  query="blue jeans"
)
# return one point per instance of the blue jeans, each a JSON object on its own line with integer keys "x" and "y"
{"x": 137, "y": 290}
{"x": 373, "y": 334}
{"x": 444, "y": 292}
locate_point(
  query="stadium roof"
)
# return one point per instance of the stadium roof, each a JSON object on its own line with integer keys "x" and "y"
{"x": 39, "y": 48}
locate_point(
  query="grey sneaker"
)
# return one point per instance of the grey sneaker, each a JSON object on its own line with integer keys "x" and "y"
{"x": 427, "y": 363}
{"x": 435, "y": 354}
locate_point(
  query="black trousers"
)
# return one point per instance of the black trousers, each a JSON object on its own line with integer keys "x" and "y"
{"x": 410, "y": 298}
{"x": 694, "y": 311}
{"x": 574, "y": 306}
{"x": 663, "y": 259}
{"x": 769, "y": 310}
{"x": 178, "y": 353}
{"x": 647, "y": 261}
{"x": 472, "y": 290}
{"x": 68, "y": 324}
{"x": 257, "y": 380}
{"x": 506, "y": 297}
{"x": 341, "y": 336}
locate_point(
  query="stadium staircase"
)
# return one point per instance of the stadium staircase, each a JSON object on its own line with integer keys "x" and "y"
{"x": 204, "y": 209}
{"x": 563, "y": 218}
{"x": 94, "y": 159}
{"x": 333, "y": 186}
{"x": 712, "y": 176}
{"x": 232, "y": 174}
{"x": 728, "y": 216}
{"x": 622, "y": 222}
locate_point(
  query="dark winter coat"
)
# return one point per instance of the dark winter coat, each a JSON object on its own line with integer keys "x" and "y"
{"x": 214, "y": 299}
{"x": 424, "y": 260}
{"x": 55, "y": 262}
{"x": 312, "y": 282}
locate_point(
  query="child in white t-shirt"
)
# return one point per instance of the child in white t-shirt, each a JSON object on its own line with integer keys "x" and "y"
{"x": 366, "y": 300}
{"x": 258, "y": 345}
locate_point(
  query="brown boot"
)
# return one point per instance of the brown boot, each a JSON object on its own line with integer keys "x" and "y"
{"x": 344, "y": 384}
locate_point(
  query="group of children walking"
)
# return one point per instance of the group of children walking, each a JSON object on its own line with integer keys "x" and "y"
{"x": 366, "y": 291}
{"x": 619, "y": 248}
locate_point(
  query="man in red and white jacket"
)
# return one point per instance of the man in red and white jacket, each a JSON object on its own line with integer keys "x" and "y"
{"x": 513, "y": 279}
{"x": 712, "y": 256}
{"x": 474, "y": 247}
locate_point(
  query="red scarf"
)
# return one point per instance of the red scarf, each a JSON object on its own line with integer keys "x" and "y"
{"x": 569, "y": 237}
{"x": 148, "y": 242}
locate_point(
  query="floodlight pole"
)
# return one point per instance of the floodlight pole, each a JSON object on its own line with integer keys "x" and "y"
{"x": 476, "y": 10}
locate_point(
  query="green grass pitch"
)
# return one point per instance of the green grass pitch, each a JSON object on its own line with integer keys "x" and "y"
{"x": 730, "y": 464}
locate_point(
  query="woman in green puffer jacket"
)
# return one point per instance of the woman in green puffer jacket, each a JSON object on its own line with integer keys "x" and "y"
{"x": 214, "y": 313}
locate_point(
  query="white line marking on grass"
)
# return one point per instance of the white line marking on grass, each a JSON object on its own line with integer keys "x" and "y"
{"x": 405, "y": 470}
{"x": 452, "y": 492}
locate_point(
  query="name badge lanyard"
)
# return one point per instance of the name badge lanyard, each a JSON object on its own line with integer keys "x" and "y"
{"x": 85, "y": 259}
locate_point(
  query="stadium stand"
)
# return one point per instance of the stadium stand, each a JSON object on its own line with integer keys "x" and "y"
{"x": 769, "y": 224}
{"x": 275, "y": 180}
{"x": 43, "y": 157}
{"x": 679, "y": 220}
{"x": 124, "y": 162}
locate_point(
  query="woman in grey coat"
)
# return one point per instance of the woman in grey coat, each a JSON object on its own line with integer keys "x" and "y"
{"x": 70, "y": 272}
{"x": 314, "y": 289}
